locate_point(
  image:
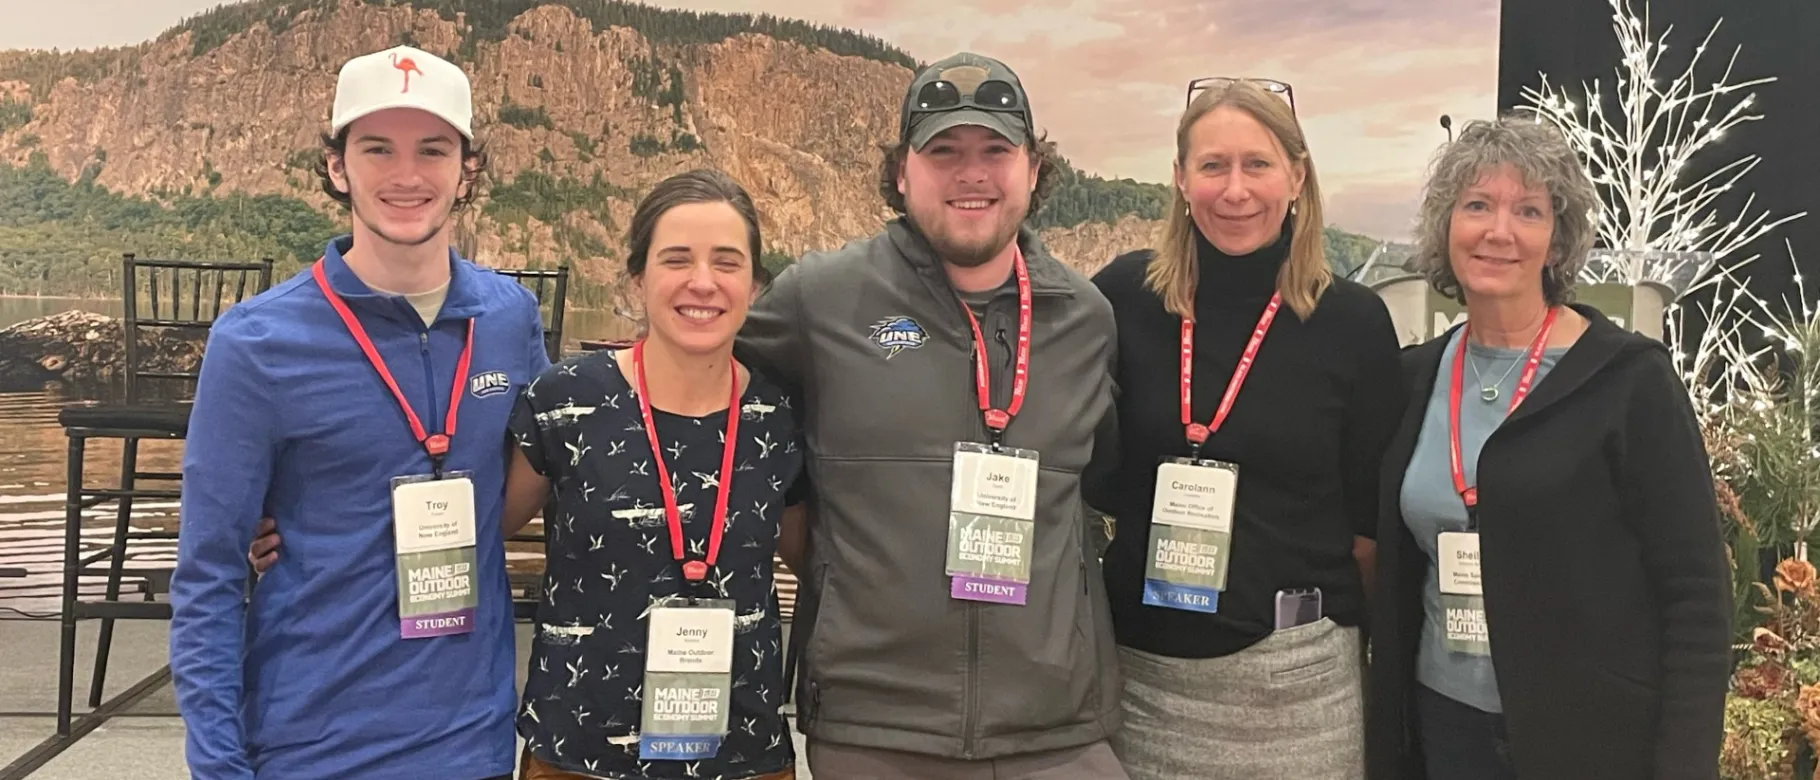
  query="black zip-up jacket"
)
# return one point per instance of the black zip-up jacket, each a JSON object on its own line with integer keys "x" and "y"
{"x": 880, "y": 346}
{"x": 1606, "y": 585}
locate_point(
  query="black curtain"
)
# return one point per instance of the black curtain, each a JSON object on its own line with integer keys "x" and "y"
{"x": 1573, "y": 42}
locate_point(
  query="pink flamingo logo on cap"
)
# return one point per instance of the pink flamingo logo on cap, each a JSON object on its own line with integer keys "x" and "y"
{"x": 407, "y": 65}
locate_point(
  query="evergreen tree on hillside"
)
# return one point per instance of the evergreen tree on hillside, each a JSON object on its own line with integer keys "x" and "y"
{"x": 61, "y": 238}
{"x": 488, "y": 19}
{"x": 1083, "y": 197}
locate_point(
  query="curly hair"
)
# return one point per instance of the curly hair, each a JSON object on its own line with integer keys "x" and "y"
{"x": 1041, "y": 149}
{"x": 473, "y": 162}
{"x": 1543, "y": 158}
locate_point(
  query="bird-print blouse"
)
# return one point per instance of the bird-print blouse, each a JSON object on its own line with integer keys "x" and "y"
{"x": 608, "y": 558}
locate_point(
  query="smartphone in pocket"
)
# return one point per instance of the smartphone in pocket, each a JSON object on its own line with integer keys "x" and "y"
{"x": 1298, "y": 607}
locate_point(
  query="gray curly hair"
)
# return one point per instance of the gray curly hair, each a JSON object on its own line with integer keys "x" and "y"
{"x": 1542, "y": 156}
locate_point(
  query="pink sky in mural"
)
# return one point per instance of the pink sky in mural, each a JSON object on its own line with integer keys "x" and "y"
{"x": 1371, "y": 77}
{"x": 1106, "y": 77}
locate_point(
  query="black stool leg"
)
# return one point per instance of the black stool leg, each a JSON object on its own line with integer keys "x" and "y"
{"x": 129, "y": 457}
{"x": 790, "y": 663}
{"x": 72, "y": 536}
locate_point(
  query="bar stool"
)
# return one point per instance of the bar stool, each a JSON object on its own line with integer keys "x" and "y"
{"x": 145, "y": 411}
{"x": 551, "y": 287}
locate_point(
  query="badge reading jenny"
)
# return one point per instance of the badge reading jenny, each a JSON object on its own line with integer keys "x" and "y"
{"x": 688, "y": 681}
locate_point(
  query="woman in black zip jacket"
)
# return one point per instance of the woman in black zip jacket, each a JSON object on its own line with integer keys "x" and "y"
{"x": 1553, "y": 598}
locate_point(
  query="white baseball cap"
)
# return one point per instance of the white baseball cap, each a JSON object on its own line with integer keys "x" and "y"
{"x": 403, "y": 77}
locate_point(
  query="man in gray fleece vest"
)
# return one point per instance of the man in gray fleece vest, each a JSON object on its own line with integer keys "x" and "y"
{"x": 953, "y": 623}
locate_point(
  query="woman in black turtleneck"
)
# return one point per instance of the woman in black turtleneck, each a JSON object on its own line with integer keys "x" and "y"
{"x": 1218, "y": 684}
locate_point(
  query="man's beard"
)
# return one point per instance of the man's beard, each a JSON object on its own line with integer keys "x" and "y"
{"x": 968, "y": 254}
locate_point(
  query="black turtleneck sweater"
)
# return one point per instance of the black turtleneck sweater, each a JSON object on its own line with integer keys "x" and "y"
{"x": 1307, "y": 432}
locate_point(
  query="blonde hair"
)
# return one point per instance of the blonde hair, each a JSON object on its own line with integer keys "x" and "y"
{"x": 1173, "y": 270}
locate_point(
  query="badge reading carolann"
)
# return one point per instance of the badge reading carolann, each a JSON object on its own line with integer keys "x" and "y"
{"x": 1190, "y": 534}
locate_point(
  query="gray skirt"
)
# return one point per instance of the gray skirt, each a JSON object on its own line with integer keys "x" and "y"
{"x": 1290, "y": 706}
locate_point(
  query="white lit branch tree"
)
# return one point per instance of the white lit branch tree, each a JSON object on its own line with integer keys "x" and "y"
{"x": 1660, "y": 221}
{"x": 1753, "y": 373}
{"x": 1644, "y": 144}
{"x": 1641, "y": 153}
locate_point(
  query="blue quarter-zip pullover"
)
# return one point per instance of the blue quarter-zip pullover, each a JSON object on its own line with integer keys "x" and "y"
{"x": 310, "y": 677}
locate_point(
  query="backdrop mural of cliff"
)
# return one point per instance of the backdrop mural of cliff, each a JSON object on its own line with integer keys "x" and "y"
{"x": 198, "y": 142}
{"x": 187, "y": 129}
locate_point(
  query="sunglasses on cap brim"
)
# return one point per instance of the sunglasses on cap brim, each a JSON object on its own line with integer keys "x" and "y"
{"x": 1280, "y": 89}
{"x": 991, "y": 95}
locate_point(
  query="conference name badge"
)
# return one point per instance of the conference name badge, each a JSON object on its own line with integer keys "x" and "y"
{"x": 1190, "y": 534}
{"x": 1463, "y": 595}
{"x": 433, "y": 531}
{"x": 991, "y": 523}
{"x": 688, "y": 680}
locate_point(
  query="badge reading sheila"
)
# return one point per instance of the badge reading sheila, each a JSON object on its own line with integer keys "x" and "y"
{"x": 433, "y": 525}
{"x": 1190, "y": 534}
{"x": 688, "y": 680}
{"x": 1463, "y": 595}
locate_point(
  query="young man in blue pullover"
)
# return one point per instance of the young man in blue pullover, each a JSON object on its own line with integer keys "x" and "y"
{"x": 363, "y": 405}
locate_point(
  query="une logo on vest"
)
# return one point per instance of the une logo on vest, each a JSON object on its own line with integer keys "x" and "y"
{"x": 897, "y": 334}
{"x": 489, "y": 383}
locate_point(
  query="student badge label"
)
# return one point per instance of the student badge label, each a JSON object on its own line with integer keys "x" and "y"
{"x": 433, "y": 528}
{"x": 1190, "y": 534}
{"x": 991, "y": 523}
{"x": 688, "y": 680}
{"x": 1463, "y": 595}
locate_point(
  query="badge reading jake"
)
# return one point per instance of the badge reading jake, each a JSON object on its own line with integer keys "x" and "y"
{"x": 1190, "y": 534}
{"x": 433, "y": 527}
{"x": 991, "y": 523}
{"x": 688, "y": 680}
{"x": 1463, "y": 594}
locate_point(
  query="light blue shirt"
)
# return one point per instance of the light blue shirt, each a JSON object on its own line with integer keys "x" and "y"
{"x": 1431, "y": 506}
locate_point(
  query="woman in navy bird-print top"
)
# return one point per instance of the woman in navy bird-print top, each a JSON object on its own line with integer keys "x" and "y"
{"x": 583, "y": 437}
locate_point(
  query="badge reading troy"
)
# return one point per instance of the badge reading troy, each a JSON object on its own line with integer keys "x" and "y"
{"x": 433, "y": 529}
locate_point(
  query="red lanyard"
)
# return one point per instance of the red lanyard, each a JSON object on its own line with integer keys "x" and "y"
{"x": 436, "y": 444}
{"x": 999, "y": 419}
{"x": 1471, "y": 494}
{"x": 695, "y": 571}
{"x": 1198, "y": 433}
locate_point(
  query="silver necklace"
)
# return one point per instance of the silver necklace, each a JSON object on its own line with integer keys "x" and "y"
{"x": 1489, "y": 393}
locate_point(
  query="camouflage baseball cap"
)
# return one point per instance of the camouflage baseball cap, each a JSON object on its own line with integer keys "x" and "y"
{"x": 965, "y": 89}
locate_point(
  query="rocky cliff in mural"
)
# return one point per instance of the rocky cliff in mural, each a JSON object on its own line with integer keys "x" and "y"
{"x": 579, "y": 119}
